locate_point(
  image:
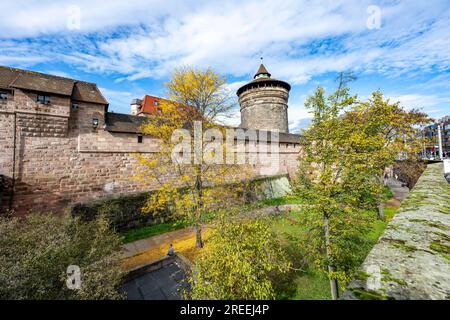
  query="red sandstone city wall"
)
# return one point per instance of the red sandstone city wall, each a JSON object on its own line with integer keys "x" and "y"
{"x": 60, "y": 159}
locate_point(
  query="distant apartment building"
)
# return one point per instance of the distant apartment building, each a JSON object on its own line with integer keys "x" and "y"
{"x": 431, "y": 132}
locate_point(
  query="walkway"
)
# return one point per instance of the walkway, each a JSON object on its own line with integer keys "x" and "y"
{"x": 166, "y": 283}
{"x": 144, "y": 251}
{"x": 399, "y": 192}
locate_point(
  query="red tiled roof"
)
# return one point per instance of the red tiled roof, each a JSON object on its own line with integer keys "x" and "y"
{"x": 150, "y": 104}
{"x": 11, "y": 78}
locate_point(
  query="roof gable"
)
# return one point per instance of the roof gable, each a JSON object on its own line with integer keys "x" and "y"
{"x": 11, "y": 78}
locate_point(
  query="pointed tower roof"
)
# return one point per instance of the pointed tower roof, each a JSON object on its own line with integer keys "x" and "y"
{"x": 263, "y": 78}
{"x": 262, "y": 71}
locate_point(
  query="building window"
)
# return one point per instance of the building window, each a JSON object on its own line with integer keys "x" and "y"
{"x": 43, "y": 99}
{"x": 155, "y": 103}
{"x": 75, "y": 106}
{"x": 3, "y": 95}
{"x": 140, "y": 139}
{"x": 158, "y": 110}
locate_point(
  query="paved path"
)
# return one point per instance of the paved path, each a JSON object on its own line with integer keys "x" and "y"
{"x": 166, "y": 283}
{"x": 156, "y": 247}
{"x": 398, "y": 190}
{"x": 140, "y": 246}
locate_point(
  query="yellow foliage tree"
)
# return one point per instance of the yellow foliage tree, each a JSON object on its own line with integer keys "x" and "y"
{"x": 191, "y": 152}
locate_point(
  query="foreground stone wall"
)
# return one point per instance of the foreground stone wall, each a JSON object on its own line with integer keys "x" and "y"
{"x": 412, "y": 258}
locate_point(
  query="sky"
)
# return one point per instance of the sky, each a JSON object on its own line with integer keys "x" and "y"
{"x": 129, "y": 48}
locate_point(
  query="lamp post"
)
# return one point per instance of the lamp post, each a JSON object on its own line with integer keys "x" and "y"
{"x": 441, "y": 156}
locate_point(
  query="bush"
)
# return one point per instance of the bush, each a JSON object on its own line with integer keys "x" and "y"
{"x": 123, "y": 213}
{"x": 36, "y": 251}
{"x": 237, "y": 262}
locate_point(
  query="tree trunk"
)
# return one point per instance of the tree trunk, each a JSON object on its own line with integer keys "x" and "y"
{"x": 381, "y": 215}
{"x": 198, "y": 236}
{"x": 198, "y": 226}
{"x": 333, "y": 282}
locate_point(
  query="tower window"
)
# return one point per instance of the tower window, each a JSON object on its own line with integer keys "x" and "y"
{"x": 75, "y": 106}
{"x": 43, "y": 99}
{"x": 140, "y": 139}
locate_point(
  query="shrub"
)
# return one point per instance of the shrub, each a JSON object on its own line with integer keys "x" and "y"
{"x": 238, "y": 261}
{"x": 36, "y": 251}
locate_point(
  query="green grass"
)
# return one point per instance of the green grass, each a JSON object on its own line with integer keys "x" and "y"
{"x": 388, "y": 193}
{"x": 281, "y": 201}
{"x": 311, "y": 284}
{"x": 154, "y": 230}
{"x": 379, "y": 225}
{"x": 149, "y": 231}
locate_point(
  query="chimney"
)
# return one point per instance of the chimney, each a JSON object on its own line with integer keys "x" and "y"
{"x": 136, "y": 105}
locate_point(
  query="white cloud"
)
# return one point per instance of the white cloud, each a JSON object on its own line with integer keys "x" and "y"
{"x": 426, "y": 103}
{"x": 300, "y": 40}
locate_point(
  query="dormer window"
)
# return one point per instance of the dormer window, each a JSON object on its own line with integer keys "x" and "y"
{"x": 3, "y": 95}
{"x": 44, "y": 99}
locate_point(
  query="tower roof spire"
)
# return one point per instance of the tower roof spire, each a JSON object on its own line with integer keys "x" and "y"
{"x": 262, "y": 71}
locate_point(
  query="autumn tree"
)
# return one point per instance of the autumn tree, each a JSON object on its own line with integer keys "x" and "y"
{"x": 190, "y": 173}
{"x": 237, "y": 261}
{"x": 393, "y": 133}
{"x": 344, "y": 152}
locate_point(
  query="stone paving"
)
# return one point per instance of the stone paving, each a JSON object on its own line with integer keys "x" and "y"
{"x": 166, "y": 283}
{"x": 400, "y": 192}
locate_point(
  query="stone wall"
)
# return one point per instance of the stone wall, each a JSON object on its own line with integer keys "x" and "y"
{"x": 60, "y": 159}
{"x": 412, "y": 258}
{"x": 124, "y": 212}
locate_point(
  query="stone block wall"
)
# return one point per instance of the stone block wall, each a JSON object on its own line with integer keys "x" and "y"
{"x": 411, "y": 259}
{"x": 61, "y": 159}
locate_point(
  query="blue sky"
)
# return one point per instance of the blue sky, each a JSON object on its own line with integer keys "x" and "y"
{"x": 129, "y": 48}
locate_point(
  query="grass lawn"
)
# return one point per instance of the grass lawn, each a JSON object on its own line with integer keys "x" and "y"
{"x": 149, "y": 231}
{"x": 281, "y": 201}
{"x": 311, "y": 284}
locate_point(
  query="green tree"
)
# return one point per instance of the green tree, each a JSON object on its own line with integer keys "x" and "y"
{"x": 392, "y": 133}
{"x": 36, "y": 251}
{"x": 237, "y": 261}
{"x": 343, "y": 154}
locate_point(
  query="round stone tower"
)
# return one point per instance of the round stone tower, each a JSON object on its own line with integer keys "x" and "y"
{"x": 264, "y": 102}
